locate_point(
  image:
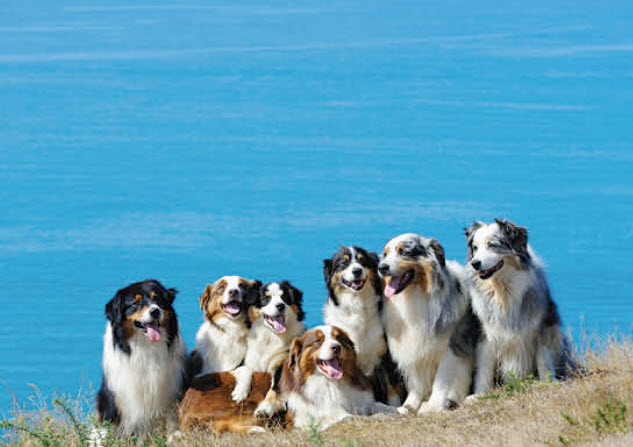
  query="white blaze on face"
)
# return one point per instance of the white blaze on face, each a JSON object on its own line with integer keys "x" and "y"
{"x": 274, "y": 312}
{"x": 328, "y": 362}
{"x": 347, "y": 275}
{"x": 480, "y": 245}
{"x": 151, "y": 320}
{"x": 232, "y": 295}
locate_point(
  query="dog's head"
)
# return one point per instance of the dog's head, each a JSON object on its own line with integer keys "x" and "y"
{"x": 351, "y": 269}
{"x": 278, "y": 306}
{"x": 411, "y": 259}
{"x": 324, "y": 350}
{"x": 493, "y": 246}
{"x": 142, "y": 309}
{"x": 228, "y": 298}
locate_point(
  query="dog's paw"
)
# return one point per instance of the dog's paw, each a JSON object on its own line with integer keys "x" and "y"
{"x": 473, "y": 399}
{"x": 175, "y": 437}
{"x": 239, "y": 393}
{"x": 266, "y": 410}
{"x": 256, "y": 429}
{"x": 403, "y": 410}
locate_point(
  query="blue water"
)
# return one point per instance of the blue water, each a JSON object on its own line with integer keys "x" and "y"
{"x": 185, "y": 141}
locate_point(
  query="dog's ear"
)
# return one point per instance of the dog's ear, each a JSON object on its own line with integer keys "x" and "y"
{"x": 296, "y": 297}
{"x": 469, "y": 231}
{"x": 295, "y": 353}
{"x": 516, "y": 235}
{"x": 206, "y": 296}
{"x": 171, "y": 295}
{"x": 252, "y": 292}
{"x": 439, "y": 252}
{"x": 327, "y": 275}
{"x": 113, "y": 310}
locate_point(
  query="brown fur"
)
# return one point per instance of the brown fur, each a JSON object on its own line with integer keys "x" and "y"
{"x": 208, "y": 404}
{"x": 211, "y": 298}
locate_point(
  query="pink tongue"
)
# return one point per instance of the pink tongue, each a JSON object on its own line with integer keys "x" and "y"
{"x": 232, "y": 308}
{"x": 392, "y": 287}
{"x": 278, "y": 325}
{"x": 332, "y": 369}
{"x": 153, "y": 333}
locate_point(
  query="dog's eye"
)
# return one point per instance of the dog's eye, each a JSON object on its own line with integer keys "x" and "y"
{"x": 401, "y": 251}
{"x": 474, "y": 248}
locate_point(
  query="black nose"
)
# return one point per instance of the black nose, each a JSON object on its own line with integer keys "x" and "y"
{"x": 280, "y": 307}
{"x": 383, "y": 269}
{"x": 336, "y": 349}
{"x": 233, "y": 293}
{"x": 476, "y": 264}
{"x": 357, "y": 272}
{"x": 155, "y": 313}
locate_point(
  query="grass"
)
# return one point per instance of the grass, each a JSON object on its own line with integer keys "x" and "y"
{"x": 590, "y": 410}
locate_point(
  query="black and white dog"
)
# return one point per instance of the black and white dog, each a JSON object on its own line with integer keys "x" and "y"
{"x": 521, "y": 326}
{"x": 276, "y": 316}
{"x": 354, "y": 304}
{"x": 143, "y": 362}
{"x": 431, "y": 330}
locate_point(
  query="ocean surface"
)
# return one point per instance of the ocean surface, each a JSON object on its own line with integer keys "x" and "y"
{"x": 185, "y": 140}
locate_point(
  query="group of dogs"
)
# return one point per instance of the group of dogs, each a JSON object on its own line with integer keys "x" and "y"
{"x": 405, "y": 332}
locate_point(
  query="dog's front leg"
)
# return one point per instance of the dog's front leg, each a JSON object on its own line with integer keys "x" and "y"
{"x": 545, "y": 364}
{"x": 484, "y": 377}
{"x": 412, "y": 402}
{"x": 243, "y": 378}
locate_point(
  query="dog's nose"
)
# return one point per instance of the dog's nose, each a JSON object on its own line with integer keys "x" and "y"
{"x": 155, "y": 313}
{"x": 280, "y": 307}
{"x": 383, "y": 269}
{"x": 357, "y": 272}
{"x": 336, "y": 349}
{"x": 233, "y": 293}
{"x": 476, "y": 264}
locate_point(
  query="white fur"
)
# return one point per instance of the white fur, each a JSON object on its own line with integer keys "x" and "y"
{"x": 222, "y": 344}
{"x": 324, "y": 402}
{"x": 357, "y": 314}
{"x": 146, "y": 383}
{"x": 429, "y": 368}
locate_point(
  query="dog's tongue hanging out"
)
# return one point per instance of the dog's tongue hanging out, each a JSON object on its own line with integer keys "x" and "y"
{"x": 153, "y": 332}
{"x": 391, "y": 288}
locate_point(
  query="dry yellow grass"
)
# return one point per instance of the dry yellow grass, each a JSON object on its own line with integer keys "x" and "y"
{"x": 584, "y": 411}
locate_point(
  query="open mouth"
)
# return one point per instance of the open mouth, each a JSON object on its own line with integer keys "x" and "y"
{"x": 151, "y": 330}
{"x": 331, "y": 368}
{"x": 232, "y": 308}
{"x": 277, "y": 324}
{"x": 397, "y": 284}
{"x": 355, "y": 284}
{"x": 485, "y": 274}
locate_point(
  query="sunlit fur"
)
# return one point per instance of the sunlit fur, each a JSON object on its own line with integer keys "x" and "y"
{"x": 312, "y": 396}
{"x": 266, "y": 348}
{"x": 428, "y": 324}
{"x": 522, "y": 327}
{"x": 221, "y": 339}
{"x": 142, "y": 379}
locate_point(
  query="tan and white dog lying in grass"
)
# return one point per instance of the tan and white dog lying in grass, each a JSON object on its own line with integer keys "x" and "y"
{"x": 430, "y": 328}
{"x": 322, "y": 382}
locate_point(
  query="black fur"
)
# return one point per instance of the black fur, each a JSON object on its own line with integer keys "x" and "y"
{"x": 516, "y": 237}
{"x": 106, "y": 404}
{"x": 339, "y": 262}
{"x": 467, "y": 334}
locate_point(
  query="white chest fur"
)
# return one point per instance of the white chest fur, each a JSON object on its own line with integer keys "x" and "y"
{"x": 146, "y": 383}
{"x": 221, "y": 347}
{"x": 267, "y": 350}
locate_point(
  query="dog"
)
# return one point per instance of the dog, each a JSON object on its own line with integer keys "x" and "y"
{"x": 354, "y": 304}
{"x": 143, "y": 361}
{"x": 221, "y": 339}
{"x": 431, "y": 330}
{"x": 276, "y": 317}
{"x": 322, "y": 381}
{"x": 521, "y": 326}
{"x": 208, "y": 403}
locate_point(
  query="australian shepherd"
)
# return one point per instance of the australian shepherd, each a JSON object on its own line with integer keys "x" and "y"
{"x": 322, "y": 380}
{"x": 354, "y": 304}
{"x": 431, "y": 331}
{"x": 221, "y": 339}
{"x": 143, "y": 361}
{"x": 521, "y": 326}
{"x": 276, "y": 317}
